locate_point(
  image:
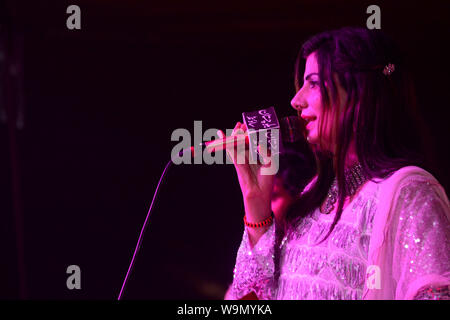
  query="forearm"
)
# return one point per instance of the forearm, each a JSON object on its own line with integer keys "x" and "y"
{"x": 255, "y": 212}
{"x": 255, "y": 234}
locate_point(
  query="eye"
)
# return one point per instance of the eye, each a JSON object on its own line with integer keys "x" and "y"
{"x": 313, "y": 84}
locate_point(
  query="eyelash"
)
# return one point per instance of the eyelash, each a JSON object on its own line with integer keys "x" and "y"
{"x": 312, "y": 84}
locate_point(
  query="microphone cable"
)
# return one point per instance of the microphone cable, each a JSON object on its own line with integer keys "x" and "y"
{"x": 141, "y": 235}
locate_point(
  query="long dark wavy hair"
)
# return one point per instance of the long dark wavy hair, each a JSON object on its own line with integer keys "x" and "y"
{"x": 381, "y": 112}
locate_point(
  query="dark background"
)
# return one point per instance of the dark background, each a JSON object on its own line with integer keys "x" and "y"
{"x": 99, "y": 105}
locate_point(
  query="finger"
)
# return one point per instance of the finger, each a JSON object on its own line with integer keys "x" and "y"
{"x": 236, "y": 127}
{"x": 265, "y": 155}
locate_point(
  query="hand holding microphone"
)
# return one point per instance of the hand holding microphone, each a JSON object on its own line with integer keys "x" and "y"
{"x": 256, "y": 186}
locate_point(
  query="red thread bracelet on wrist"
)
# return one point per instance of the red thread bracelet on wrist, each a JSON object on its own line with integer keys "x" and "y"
{"x": 264, "y": 223}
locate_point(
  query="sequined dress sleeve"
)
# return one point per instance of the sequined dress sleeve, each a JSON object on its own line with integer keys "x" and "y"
{"x": 254, "y": 269}
{"x": 421, "y": 241}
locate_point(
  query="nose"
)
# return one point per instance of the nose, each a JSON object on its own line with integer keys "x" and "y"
{"x": 298, "y": 102}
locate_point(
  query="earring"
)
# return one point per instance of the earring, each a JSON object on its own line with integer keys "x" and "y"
{"x": 388, "y": 69}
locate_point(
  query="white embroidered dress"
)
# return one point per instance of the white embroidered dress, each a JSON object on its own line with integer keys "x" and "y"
{"x": 397, "y": 231}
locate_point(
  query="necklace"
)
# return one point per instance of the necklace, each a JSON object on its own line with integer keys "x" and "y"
{"x": 354, "y": 177}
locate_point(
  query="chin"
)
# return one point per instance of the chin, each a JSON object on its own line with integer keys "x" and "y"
{"x": 312, "y": 139}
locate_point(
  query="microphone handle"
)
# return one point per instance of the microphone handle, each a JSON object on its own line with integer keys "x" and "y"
{"x": 221, "y": 144}
{"x": 218, "y": 144}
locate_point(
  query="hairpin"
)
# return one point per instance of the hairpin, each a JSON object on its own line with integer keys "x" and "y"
{"x": 388, "y": 69}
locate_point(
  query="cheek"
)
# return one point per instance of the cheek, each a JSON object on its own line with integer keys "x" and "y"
{"x": 316, "y": 103}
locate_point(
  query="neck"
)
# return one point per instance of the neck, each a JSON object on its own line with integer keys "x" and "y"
{"x": 350, "y": 158}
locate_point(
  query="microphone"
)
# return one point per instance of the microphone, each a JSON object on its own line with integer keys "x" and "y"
{"x": 290, "y": 131}
{"x": 258, "y": 123}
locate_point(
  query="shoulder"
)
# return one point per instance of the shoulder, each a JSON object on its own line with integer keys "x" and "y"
{"x": 408, "y": 173}
{"x": 413, "y": 189}
{"x": 409, "y": 178}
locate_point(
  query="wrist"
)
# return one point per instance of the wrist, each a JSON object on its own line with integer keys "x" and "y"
{"x": 262, "y": 223}
{"x": 256, "y": 211}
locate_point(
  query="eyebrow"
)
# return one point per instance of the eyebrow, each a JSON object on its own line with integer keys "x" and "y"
{"x": 310, "y": 75}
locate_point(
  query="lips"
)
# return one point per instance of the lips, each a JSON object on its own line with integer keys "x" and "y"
{"x": 308, "y": 120}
